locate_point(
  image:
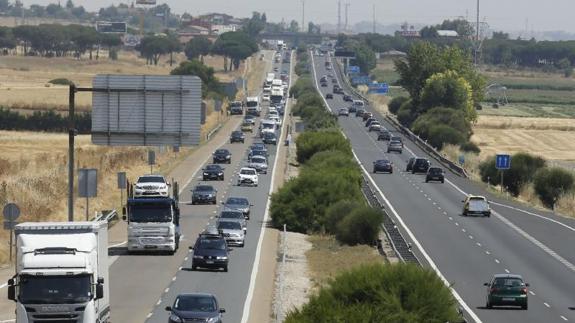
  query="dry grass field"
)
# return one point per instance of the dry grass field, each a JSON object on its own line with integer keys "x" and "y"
{"x": 24, "y": 80}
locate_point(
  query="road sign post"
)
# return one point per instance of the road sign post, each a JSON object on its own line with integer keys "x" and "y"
{"x": 122, "y": 181}
{"x": 151, "y": 160}
{"x": 502, "y": 162}
{"x": 87, "y": 185}
{"x": 11, "y": 213}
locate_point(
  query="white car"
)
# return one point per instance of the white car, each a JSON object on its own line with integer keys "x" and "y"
{"x": 259, "y": 163}
{"x": 151, "y": 186}
{"x": 248, "y": 176}
{"x": 266, "y": 97}
{"x": 275, "y": 118}
{"x": 272, "y": 109}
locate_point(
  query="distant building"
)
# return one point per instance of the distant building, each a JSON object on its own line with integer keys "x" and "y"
{"x": 220, "y": 29}
{"x": 408, "y": 31}
{"x": 447, "y": 33}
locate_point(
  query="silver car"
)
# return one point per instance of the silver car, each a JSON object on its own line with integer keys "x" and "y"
{"x": 395, "y": 146}
{"x": 259, "y": 163}
{"x": 234, "y": 215}
{"x": 240, "y": 204}
{"x": 233, "y": 232}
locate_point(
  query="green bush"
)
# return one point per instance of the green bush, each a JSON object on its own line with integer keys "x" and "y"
{"x": 551, "y": 183}
{"x": 400, "y": 293}
{"x": 523, "y": 168}
{"x": 361, "y": 226}
{"x": 61, "y": 81}
{"x": 336, "y": 212}
{"x": 312, "y": 142}
{"x": 470, "y": 147}
{"x": 396, "y": 103}
{"x": 406, "y": 114}
{"x": 440, "y": 135}
{"x": 441, "y": 116}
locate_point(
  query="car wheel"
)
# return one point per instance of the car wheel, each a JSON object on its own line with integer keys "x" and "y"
{"x": 225, "y": 268}
{"x": 524, "y": 307}
{"x": 194, "y": 267}
{"x": 464, "y": 213}
{"x": 426, "y": 180}
{"x": 442, "y": 181}
{"x": 488, "y": 305}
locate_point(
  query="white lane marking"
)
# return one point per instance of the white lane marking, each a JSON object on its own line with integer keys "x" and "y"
{"x": 7, "y": 321}
{"x": 564, "y": 318}
{"x": 159, "y": 302}
{"x": 174, "y": 278}
{"x": 3, "y": 285}
{"x": 478, "y": 244}
{"x": 497, "y": 260}
{"x": 487, "y": 252}
{"x": 507, "y": 270}
{"x": 450, "y": 219}
{"x": 532, "y": 293}
{"x": 471, "y": 237}
{"x": 548, "y": 306}
{"x": 411, "y": 235}
{"x": 256, "y": 264}
{"x": 117, "y": 244}
{"x": 166, "y": 290}
{"x": 149, "y": 315}
{"x": 535, "y": 214}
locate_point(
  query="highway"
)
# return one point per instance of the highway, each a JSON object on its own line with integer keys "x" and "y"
{"x": 468, "y": 251}
{"x": 143, "y": 285}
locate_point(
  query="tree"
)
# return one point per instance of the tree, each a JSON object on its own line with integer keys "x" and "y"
{"x": 198, "y": 47}
{"x": 523, "y": 168}
{"x": 461, "y": 26}
{"x": 448, "y": 90}
{"x": 7, "y": 40}
{"x": 210, "y": 83}
{"x": 4, "y": 5}
{"x": 293, "y": 27}
{"x": 152, "y": 47}
{"x": 399, "y": 293}
{"x": 552, "y": 183}
{"x": 255, "y": 24}
{"x": 236, "y": 45}
{"x": 69, "y": 4}
{"x": 428, "y": 32}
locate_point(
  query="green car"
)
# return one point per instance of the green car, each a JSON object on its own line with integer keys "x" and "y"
{"x": 506, "y": 290}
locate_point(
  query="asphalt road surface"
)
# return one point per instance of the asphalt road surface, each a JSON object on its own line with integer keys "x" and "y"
{"x": 143, "y": 285}
{"x": 468, "y": 251}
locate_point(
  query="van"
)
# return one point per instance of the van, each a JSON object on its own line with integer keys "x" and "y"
{"x": 358, "y": 103}
{"x": 253, "y": 106}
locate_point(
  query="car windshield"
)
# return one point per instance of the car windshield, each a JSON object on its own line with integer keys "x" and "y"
{"x": 383, "y": 162}
{"x": 222, "y": 152}
{"x": 248, "y": 172}
{"x": 231, "y": 215}
{"x": 508, "y": 282}
{"x": 193, "y": 303}
{"x": 150, "y": 212}
{"x": 251, "y": 104}
{"x": 258, "y": 159}
{"x": 237, "y": 200}
{"x": 435, "y": 170}
{"x": 478, "y": 205}
{"x": 268, "y": 125}
{"x": 235, "y": 104}
{"x": 55, "y": 289}
{"x": 204, "y": 188}
{"x": 238, "y": 133}
{"x": 213, "y": 167}
{"x": 269, "y": 135}
{"x": 230, "y": 225}
{"x": 151, "y": 179}
{"x": 212, "y": 244}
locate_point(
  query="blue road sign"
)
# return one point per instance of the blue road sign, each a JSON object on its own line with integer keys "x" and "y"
{"x": 357, "y": 80}
{"x": 353, "y": 69}
{"x": 502, "y": 161}
{"x": 380, "y": 88}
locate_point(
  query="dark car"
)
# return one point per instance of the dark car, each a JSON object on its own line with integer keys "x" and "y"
{"x": 435, "y": 174}
{"x": 250, "y": 119}
{"x": 384, "y": 135}
{"x": 334, "y": 81}
{"x": 253, "y": 153}
{"x": 210, "y": 251}
{"x": 213, "y": 172}
{"x": 397, "y": 138}
{"x": 324, "y": 84}
{"x": 347, "y": 98}
{"x": 204, "y": 194}
{"x": 420, "y": 165}
{"x": 270, "y": 138}
{"x": 222, "y": 156}
{"x": 382, "y": 165}
{"x": 329, "y": 96}
{"x": 236, "y": 107}
{"x": 359, "y": 112}
{"x": 369, "y": 121}
{"x": 352, "y": 109}
{"x": 258, "y": 146}
{"x": 366, "y": 115}
{"x": 195, "y": 307}
{"x": 374, "y": 126}
{"x": 506, "y": 290}
{"x": 239, "y": 204}
{"x": 237, "y": 136}
{"x": 410, "y": 164}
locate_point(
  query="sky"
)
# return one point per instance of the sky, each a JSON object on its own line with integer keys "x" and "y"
{"x": 509, "y": 15}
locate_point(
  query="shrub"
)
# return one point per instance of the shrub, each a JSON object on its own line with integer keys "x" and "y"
{"x": 336, "y": 212}
{"x": 61, "y": 81}
{"x": 440, "y": 135}
{"x": 361, "y": 226}
{"x": 396, "y": 103}
{"x": 551, "y": 183}
{"x": 312, "y": 142}
{"x": 523, "y": 168}
{"x": 470, "y": 147}
{"x": 398, "y": 293}
{"x": 441, "y": 116}
{"x": 406, "y": 114}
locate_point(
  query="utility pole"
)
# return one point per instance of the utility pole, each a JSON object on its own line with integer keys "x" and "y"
{"x": 302, "y": 15}
{"x": 477, "y": 41}
{"x": 346, "y": 14}
{"x": 374, "y": 18}
{"x": 339, "y": 17}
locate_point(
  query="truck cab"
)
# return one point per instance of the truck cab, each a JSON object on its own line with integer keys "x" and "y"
{"x": 253, "y": 106}
{"x": 153, "y": 224}
{"x": 61, "y": 272}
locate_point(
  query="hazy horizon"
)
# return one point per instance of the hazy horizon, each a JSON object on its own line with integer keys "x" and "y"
{"x": 500, "y": 15}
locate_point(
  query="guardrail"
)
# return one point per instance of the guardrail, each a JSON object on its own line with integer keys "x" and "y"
{"x": 400, "y": 246}
{"x": 413, "y": 137}
{"x": 106, "y": 215}
{"x": 213, "y": 131}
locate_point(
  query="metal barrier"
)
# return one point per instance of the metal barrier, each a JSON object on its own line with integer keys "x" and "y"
{"x": 413, "y": 137}
{"x": 106, "y": 215}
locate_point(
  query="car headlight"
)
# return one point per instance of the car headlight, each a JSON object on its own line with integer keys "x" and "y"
{"x": 222, "y": 258}
{"x": 213, "y": 319}
{"x": 220, "y": 173}
{"x": 175, "y": 318}
{"x": 206, "y": 174}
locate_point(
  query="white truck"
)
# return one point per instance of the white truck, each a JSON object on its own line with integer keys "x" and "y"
{"x": 253, "y": 106}
{"x": 61, "y": 272}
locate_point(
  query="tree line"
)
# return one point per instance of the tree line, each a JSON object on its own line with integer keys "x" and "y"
{"x": 52, "y": 40}
{"x": 53, "y": 10}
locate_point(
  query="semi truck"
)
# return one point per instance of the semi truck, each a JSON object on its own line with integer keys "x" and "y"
{"x": 61, "y": 272}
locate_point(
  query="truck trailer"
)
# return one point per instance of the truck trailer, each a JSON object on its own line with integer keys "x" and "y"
{"x": 61, "y": 272}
